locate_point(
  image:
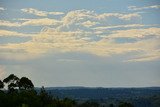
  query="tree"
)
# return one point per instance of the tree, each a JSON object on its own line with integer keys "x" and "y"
{"x": 111, "y": 105}
{"x": 1, "y": 84}
{"x": 89, "y": 104}
{"x": 125, "y": 104}
{"x": 25, "y": 84}
{"x": 44, "y": 97}
{"x": 12, "y": 81}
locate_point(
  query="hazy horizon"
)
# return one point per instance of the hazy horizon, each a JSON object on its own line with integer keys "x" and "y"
{"x": 100, "y": 43}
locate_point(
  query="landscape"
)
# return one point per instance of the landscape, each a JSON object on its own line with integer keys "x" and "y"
{"x": 21, "y": 93}
{"x": 79, "y": 53}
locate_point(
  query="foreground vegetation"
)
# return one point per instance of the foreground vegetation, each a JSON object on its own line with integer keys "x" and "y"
{"x": 21, "y": 93}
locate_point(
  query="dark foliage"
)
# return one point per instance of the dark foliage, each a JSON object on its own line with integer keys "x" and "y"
{"x": 25, "y": 84}
{"x": 12, "y": 81}
{"x": 1, "y": 84}
{"x": 125, "y": 104}
{"x": 21, "y": 93}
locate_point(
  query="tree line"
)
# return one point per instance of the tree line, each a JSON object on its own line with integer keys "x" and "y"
{"x": 21, "y": 93}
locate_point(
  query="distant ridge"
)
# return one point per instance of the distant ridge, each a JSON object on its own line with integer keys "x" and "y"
{"x": 83, "y": 87}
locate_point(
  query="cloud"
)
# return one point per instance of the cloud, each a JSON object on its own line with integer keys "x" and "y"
{"x": 2, "y": 71}
{"x": 83, "y": 31}
{"x": 136, "y": 33}
{"x": 9, "y": 24}
{"x": 78, "y": 16}
{"x": 75, "y": 18}
{"x": 52, "y": 40}
{"x": 143, "y": 8}
{"x": 120, "y": 26}
{"x": 85, "y": 19}
{"x": 1, "y": 9}
{"x": 40, "y": 13}
{"x": 108, "y": 47}
{"x": 78, "y": 19}
{"x": 121, "y": 16}
{"x": 30, "y": 22}
{"x": 55, "y": 13}
{"x": 69, "y": 60}
{"x": 13, "y": 33}
{"x": 40, "y": 22}
{"x": 34, "y": 12}
{"x": 89, "y": 23}
{"x": 154, "y": 55}
{"x": 130, "y": 16}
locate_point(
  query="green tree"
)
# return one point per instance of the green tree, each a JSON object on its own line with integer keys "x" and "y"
{"x": 25, "y": 84}
{"x": 44, "y": 97}
{"x": 125, "y": 104}
{"x": 1, "y": 84}
{"x": 111, "y": 105}
{"x": 89, "y": 104}
{"x": 66, "y": 102}
{"x": 12, "y": 81}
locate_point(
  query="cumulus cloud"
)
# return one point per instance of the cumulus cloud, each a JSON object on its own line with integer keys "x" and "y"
{"x": 143, "y": 8}
{"x": 83, "y": 31}
{"x": 74, "y": 19}
{"x": 85, "y": 19}
{"x": 51, "y": 40}
{"x": 40, "y": 13}
{"x": 77, "y": 19}
{"x": 89, "y": 18}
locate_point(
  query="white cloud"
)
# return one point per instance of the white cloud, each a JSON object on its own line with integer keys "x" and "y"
{"x": 89, "y": 23}
{"x": 40, "y": 22}
{"x": 1, "y": 9}
{"x": 121, "y": 16}
{"x": 136, "y": 33}
{"x": 55, "y": 13}
{"x": 120, "y": 26}
{"x": 82, "y": 31}
{"x": 73, "y": 20}
{"x": 51, "y": 40}
{"x": 9, "y": 24}
{"x": 34, "y": 11}
{"x": 130, "y": 16}
{"x": 143, "y": 8}
{"x": 13, "y": 33}
{"x": 78, "y": 16}
{"x": 40, "y": 13}
{"x": 85, "y": 19}
{"x": 30, "y": 22}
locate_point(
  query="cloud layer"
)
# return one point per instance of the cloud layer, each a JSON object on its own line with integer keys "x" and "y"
{"x": 40, "y": 13}
{"x": 84, "y": 31}
{"x": 144, "y": 8}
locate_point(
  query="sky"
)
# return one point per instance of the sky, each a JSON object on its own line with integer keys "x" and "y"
{"x": 92, "y": 43}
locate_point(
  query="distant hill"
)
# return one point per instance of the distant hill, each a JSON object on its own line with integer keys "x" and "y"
{"x": 140, "y": 97}
{"x": 102, "y": 93}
